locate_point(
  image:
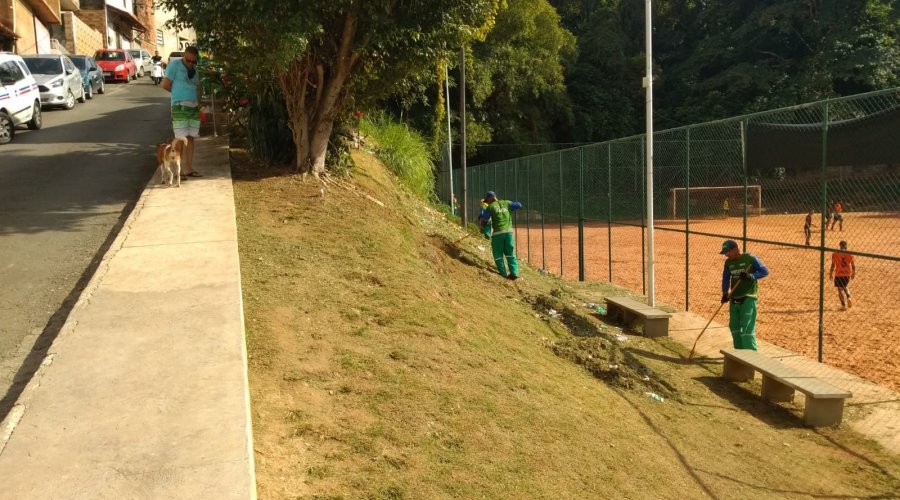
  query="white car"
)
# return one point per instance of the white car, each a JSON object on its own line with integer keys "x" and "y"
{"x": 20, "y": 99}
{"x": 142, "y": 61}
{"x": 58, "y": 79}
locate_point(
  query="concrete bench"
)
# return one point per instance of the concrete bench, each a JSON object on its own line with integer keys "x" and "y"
{"x": 627, "y": 311}
{"x": 824, "y": 402}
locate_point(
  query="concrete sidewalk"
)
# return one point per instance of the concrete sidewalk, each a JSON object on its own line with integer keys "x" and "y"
{"x": 144, "y": 393}
{"x": 873, "y": 411}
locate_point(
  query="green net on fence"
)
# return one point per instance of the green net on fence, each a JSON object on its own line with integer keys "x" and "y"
{"x": 754, "y": 179}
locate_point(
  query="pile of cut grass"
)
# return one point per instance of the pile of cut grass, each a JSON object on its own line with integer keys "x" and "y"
{"x": 385, "y": 363}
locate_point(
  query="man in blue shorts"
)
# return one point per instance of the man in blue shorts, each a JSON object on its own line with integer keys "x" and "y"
{"x": 183, "y": 81}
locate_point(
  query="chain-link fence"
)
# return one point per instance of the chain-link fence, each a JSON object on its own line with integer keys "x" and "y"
{"x": 754, "y": 179}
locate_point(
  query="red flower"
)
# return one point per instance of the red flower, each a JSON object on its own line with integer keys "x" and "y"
{"x": 358, "y": 114}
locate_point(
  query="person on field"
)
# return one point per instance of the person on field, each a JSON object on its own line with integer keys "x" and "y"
{"x": 740, "y": 286}
{"x": 498, "y": 215}
{"x": 838, "y": 215}
{"x": 725, "y": 209}
{"x": 807, "y": 226}
{"x": 843, "y": 269}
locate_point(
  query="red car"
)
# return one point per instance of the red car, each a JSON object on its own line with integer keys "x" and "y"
{"x": 117, "y": 65}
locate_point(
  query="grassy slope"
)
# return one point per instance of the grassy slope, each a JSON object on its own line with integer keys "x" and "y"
{"x": 383, "y": 367}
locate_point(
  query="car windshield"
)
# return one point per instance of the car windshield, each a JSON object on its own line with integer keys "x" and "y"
{"x": 110, "y": 56}
{"x": 43, "y": 66}
{"x": 80, "y": 62}
{"x": 136, "y": 54}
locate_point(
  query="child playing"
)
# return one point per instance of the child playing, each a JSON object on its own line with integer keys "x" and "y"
{"x": 843, "y": 269}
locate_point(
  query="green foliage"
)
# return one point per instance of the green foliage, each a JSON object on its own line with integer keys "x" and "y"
{"x": 404, "y": 151}
{"x": 268, "y": 133}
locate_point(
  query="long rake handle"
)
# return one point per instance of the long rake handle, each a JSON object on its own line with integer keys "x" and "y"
{"x": 691, "y": 355}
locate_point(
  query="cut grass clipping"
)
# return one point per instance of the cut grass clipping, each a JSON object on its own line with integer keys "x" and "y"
{"x": 403, "y": 151}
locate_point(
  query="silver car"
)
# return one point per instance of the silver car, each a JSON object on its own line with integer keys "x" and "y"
{"x": 58, "y": 79}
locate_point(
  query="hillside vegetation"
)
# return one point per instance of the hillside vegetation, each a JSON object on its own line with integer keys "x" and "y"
{"x": 385, "y": 362}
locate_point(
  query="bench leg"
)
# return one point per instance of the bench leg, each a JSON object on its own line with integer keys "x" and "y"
{"x": 736, "y": 371}
{"x": 775, "y": 391}
{"x": 823, "y": 412}
{"x": 656, "y": 327}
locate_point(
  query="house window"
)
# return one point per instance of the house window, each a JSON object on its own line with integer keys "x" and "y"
{"x": 160, "y": 38}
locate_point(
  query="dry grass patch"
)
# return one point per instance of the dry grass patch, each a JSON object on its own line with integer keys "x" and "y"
{"x": 384, "y": 364}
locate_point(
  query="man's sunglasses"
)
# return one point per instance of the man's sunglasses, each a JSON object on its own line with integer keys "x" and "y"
{"x": 189, "y": 61}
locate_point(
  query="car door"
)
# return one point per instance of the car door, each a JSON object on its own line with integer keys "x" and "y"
{"x": 94, "y": 73}
{"x": 145, "y": 59}
{"x": 73, "y": 77}
{"x": 17, "y": 94}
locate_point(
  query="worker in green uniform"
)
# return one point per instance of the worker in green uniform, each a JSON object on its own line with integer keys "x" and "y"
{"x": 740, "y": 286}
{"x": 503, "y": 246}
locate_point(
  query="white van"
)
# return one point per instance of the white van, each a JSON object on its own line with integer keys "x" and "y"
{"x": 20, "y": 98}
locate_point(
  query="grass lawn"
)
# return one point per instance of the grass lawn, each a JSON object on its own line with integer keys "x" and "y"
{"x": 387, "y": 363}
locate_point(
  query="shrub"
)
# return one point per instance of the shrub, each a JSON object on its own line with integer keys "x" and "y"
{"x": 404, "y": 151}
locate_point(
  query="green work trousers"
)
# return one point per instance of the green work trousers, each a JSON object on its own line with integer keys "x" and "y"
{"x": 503, "y": 245}
{"x": 743, "y": 323}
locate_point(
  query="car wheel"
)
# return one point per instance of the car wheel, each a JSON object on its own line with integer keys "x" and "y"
{"x": 90, "y": 91}
{"x": 83, "y": 97}
{"x": 102, "y": 89}
{"x": 127, "y": 78}
{"x": 70, "y": 100}
{"x": 37, "y": 121}
{"x": 140, "y": 73}
{"x": 7, "y": 129}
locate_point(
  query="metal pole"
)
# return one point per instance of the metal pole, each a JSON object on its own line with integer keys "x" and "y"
{"x": 651, "y": 282}
{"x": 462, "y": 135}
{"x": 560, "y": 214}
{"x": 824, "y": 185}
{"x": 543, "y": 212}
{"x": 643, "y": 222}
{"x": 609, "y": 209}
{"x": 528, "y": 218}
{"x": 687, "y": 221}
{"x": 581, "y": 214}
{"x": 744, "y": 168}
{"x": 449, "y": 134}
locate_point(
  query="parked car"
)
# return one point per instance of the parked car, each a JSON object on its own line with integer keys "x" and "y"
{"x": 58, "y": 79}
{"x": 141, "y": 61}
{"x": 20, "y": 99}
{"x": 91, "y": 75}
{"x": 174, "y": 56}
{"x": 117, "y": 64}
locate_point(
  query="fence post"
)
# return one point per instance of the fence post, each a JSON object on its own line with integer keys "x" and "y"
{"x": 687, "y": 220}
{"x": 746, "y": 174}
{"x": 581, "y": 214}
{"x": 560, "y": 214}
{"x": 609, "y": 207}
{"x": 824, "y": 187}
{"x": 543, "y": 245}
{"x": 528, "y": 218}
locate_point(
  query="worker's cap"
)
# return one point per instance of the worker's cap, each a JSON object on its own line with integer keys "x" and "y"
{"x": 490, "y": 194}
{"x": 727, "y": 246}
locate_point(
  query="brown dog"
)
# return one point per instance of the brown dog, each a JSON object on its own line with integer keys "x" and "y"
{"x": 168, "y": 157}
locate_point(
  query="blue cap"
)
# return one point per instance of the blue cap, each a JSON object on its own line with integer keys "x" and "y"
{"x": 727, "y": 246}
{"x": 490, "y": 194}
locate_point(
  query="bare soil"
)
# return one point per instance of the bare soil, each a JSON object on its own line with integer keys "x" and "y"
{"x": 386, "y": 362}
{"x": 864, "y": 340}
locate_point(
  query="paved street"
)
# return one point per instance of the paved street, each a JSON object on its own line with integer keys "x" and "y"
{"x": 63, "y": 191}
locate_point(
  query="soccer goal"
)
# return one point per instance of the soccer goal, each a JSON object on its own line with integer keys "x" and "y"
{"x": 716, "y": 201}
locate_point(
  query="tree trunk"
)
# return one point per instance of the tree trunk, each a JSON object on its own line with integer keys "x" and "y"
{"x": 314, "y": 89}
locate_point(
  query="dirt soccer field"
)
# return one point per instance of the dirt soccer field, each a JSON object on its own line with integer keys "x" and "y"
{"x": 864, "y": 339}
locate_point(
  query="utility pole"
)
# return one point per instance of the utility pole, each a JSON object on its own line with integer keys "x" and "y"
{"x": 449, "y": 134}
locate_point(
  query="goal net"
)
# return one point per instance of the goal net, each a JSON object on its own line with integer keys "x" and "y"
{"x": 718, "y": 201}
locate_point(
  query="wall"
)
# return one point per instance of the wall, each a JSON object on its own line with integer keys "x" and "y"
{"x": 95, "y": 20}
{"x": 80, "y": 38}
{"x": 27, "y": 42}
